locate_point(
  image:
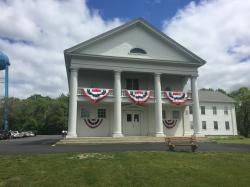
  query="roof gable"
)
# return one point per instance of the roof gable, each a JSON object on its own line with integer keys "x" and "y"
{"x": 135, "y": 34}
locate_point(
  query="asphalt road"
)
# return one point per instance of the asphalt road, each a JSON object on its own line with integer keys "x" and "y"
{"x": 45, "y": 144}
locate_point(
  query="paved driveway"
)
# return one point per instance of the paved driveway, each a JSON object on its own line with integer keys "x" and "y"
{"x": 45, "y": 144}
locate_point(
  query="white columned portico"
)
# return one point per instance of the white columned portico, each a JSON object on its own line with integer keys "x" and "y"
{"x": 117, "y": 128}
{"x": 158, "y": 106}
{"x": 72, "y": 103}
{"x": 196, "y": 107}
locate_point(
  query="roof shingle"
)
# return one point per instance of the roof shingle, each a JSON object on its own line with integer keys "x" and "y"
{"x": 214, "y": 96}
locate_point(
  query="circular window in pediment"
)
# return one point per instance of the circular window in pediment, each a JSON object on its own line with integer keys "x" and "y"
{"x": 138, "y": 51}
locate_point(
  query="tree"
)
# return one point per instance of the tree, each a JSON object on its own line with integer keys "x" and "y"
{"x": 222, "y": 91}
{"x": 242, "y": 96}
{"x": 43, "y": 114}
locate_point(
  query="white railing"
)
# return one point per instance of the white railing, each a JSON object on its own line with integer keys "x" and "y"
{"x": 79, "y": 91}
{"x": 123, "y": 93}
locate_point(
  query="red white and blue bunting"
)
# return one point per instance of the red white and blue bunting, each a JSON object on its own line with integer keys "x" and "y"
{"x": 169, "y": 123}
{"x": 93, "y": 123}
{"x": 95, "y": 94}
{"x": 177, "y": 98}
{"x": 138, "y": 96}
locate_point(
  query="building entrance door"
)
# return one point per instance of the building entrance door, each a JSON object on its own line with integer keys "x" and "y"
{"x": 132, "y": 123}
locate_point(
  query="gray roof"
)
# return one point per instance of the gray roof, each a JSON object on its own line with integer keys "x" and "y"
{"x": 214, "y": 96}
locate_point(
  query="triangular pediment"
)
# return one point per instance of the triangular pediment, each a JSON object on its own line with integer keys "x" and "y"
{"x": 136, "y": 34}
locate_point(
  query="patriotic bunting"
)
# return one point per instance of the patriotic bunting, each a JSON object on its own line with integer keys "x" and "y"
{"x": 95, "y": 94}
{"x": 177, "y": 98}
{"x": 93, "y": 123}
{"x": 169, "y": 123}
{"x": 138, "y": 96}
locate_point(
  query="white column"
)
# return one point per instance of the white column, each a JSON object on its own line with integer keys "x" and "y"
{"x": 196, "y": 107}
{"x": 158, "y": 106}
{"x": 117, "y": 126}
{"x": 234, "y": 123}
{"x": 72, "y": 104}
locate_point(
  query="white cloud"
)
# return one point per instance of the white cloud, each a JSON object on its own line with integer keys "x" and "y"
{"x": 39, "y": 32}
{"x": 217, "y": 31}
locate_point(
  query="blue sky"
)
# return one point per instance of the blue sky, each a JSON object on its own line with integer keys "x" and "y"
{"x": 154, "y": 11}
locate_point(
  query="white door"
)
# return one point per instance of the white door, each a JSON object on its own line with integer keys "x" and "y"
{"x": 132, "y": 123}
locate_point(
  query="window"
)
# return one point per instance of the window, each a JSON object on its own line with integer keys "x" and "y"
{"x": 132, "y": 84}
{"x": 227, "y": 125}
{"x": 138, "y": 51}
{"x": 225, "y": 110}
{"x": 204, "y": 125}
{"x": 101, "y": 113}
{"x": 176, "y": 114}
{"x": 129, "y": 117}
{"x": 190, "y": 109}
{"x": 214, "y": 110}
{"x": 136, "y": 118}
{"x": 215, "y": 125}
{"x": 203, "y": 110}
{"x": 84, "y": 113}
{"x": 163, "y": 114}
{"x": 191, "y": 125}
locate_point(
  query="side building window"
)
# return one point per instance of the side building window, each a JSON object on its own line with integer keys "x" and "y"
{"x": 85, "y": 113}
{"x": 203, "y": 110}
{"x": 227, "y": 125}
{"x": 226, "y": 110}
{"x": 101, "y": 113}
{"x": 204, "y": 125}
{"x": 214, "y": 110}
{"x": 215, "y": 125}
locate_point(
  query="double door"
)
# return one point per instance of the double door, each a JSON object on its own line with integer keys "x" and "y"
{"x": 132, "y": 123}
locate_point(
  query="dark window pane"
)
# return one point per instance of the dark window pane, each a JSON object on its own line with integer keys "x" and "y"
{"x": 227, "y": 125}
{"x": 204, "y": 125}
{"x": 129, "y": 117}
{"x": 101, "y": 113}
{"x": 216, "y": 125}
{"x": 135, "y": 84}
{"x": 132, "y": 84}
{"x": 138, "y": 51}
{"x": 129, "y": 84}
{"x": 85, "y": 113}
{"x": 203, "y": 110}
{"x": 214, "y": 110}
{"x": 136, "y": 118}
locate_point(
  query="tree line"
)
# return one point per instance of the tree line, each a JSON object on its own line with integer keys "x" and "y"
{"x": 50, "y": 115}
{"x": 42, "y": 114}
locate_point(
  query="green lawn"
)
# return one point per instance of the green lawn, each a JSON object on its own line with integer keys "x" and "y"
{"x": 127, "y": 169}
{"x": 231, "y": 140}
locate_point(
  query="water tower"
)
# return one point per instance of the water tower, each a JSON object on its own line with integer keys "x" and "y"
{"x": 4, "y": 65}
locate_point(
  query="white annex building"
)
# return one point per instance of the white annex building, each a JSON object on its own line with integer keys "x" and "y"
{"x": 132, "y": 81}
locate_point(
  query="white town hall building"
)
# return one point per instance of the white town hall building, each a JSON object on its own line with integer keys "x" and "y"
{"x": 132, "y": 81}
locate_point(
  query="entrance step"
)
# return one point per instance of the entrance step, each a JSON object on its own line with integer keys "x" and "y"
{"x": 111, "y": 140}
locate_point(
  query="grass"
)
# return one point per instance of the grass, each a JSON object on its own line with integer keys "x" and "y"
{"x": 127, "y": 169}
{"x": 230, "y": 140}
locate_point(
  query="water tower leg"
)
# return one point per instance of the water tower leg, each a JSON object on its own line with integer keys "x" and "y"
{"x": 6, "y": 126}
